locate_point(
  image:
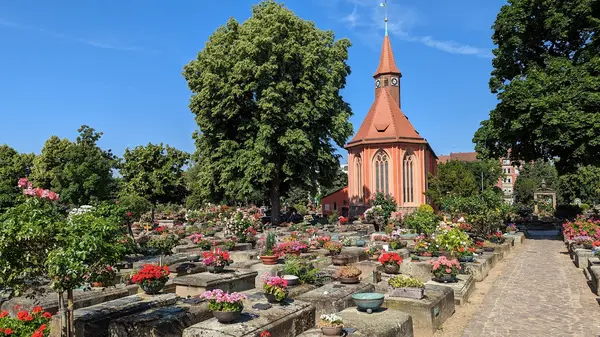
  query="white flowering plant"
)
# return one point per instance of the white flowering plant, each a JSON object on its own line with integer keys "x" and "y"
{"x": 331, "y": 320}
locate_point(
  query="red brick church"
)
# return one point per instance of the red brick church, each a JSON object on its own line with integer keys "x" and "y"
{"x": 387, "y": 154}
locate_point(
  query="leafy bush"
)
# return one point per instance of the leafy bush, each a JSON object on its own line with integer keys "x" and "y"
{"x": 423, "y": 220}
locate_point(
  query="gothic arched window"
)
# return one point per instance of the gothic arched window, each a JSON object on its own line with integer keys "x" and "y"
{"x": 381, "y": 163}
{"x": 408, "y": 178}
{"x": 359, "y": 179}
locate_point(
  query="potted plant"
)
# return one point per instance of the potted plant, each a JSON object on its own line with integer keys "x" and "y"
{"x": 269, "y": 256}
{"x": 101, "y": 276}
{"x": 391, "y": 262}
{"x": 216, "y": 260}
{"x": 275, "y": 288}
{"x": 405, "y": 286}
{"x": 225, "y": 307}
{"x": 445, "y": 270}
{"x": 372, "y": 252}
{"x": 333, "y": 247}
{"x": 151, "y": 278}
{"x": 348, "y": 275}
{"x": 331, "y": 325}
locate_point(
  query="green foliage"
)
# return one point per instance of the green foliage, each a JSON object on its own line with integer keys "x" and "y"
{"x": 402, "y": 281}
{"x": 301, "y": 267}
{"x": 530, "y": 180}
{"x": 28, "y": 232}
{"x": 266, "y": 96}
{"x": 423, "y": 220}
{"x": 13, "y": 165}
{"x": 155, "y": 173}
{"x": 463, "y": 179}
{"x": 387, "y": 203}
{"x": 583, "y": 184}
{"x": 81, "y": 172}
{"x": 546, "y": 76}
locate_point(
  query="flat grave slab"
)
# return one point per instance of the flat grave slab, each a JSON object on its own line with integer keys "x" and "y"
{"x": 94, "y": 320}
{"x": 230, "y": 280}
{"x": 81, "y": 299}
{"x": 429, "y": 313}
{"x": 334, "y": 297}
{"x": 287, "y": 320}
{"x": 463, "y": 289}
{"x": 164, "y": 321}
{"x": 385, "y": 323}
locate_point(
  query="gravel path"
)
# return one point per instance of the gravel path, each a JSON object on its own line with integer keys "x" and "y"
{"x": 540, "y": 293}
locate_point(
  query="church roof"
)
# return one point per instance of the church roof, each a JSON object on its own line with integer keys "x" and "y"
{"x": 387, "y": 64}
{"x": 384, "y": 123}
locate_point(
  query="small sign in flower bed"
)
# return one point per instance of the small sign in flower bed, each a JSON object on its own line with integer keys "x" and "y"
{"x": 405, "y": 286}
{"x": 26, "y": 324}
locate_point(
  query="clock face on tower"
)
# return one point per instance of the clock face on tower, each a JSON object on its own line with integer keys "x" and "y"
{"x": 378, "y": 83}
{"x": 394, "y": 81}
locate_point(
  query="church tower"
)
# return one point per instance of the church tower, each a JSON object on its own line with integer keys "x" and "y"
{"x": 387, "y": 154}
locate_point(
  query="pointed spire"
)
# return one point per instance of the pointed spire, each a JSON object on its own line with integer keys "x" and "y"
{"x": 387, "y": 64}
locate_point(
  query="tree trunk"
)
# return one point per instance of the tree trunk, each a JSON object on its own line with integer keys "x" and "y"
{"x": 62, "y": 311}
{"x": 275, "y": 200}
{"x": 70, "y": 310}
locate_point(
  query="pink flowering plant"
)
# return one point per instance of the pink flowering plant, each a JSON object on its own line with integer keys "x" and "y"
{"x": 218, "y": 300}
{"x": 443, "y": 266}
{"x": 275, "y": 285}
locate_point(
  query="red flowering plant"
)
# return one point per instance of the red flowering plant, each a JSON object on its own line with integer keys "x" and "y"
{"x": 151, "y": 274}
{"x": 390, "y": 258}
{"x": 32, "y": 323}
{"x": 216, "y": 258}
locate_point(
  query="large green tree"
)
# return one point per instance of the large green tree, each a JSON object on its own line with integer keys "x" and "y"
{"x": 266, "y": 96}
{"x": 547, "y": 78}
{"x": 154, "y": 172}
{"x": 81, "y": 172}
{"x": 13, "y": 165}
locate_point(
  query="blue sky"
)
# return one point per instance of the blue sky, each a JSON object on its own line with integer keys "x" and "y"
{"x": 116, "y": 65}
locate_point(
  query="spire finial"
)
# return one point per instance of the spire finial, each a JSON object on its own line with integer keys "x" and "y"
{"x": 384, "y": 5}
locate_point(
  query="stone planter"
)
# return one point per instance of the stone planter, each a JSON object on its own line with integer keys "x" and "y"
{"x": 368, "y": 302}
{"x": 152, "y": 287}
{"x": 339, "y": 260}
{"x": 269, "y": 260}
{"x": 271, "y": 299}
{"x": 416, "y": 293}
{"x": 226, "y": 316}
{"x": 391, "y": 268}
{"x": 215, "y": 269}
{"x": 332, "y": 331}
{"x": 349, "y": 280}
{"x": 446, "y": 278}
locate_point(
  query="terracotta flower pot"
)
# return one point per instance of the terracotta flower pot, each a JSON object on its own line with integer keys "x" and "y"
{"x": 332, "y": 331}
{"x": 226, "y": 316}
{"x": 269, "y": 260}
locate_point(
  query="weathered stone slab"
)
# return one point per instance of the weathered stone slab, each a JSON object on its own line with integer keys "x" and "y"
{"x": 287, "y": 320}
{"x": 419, "y": 270}
{"x": 429, "y": 313}
{"x": 385, "y": 323}
{"x": 334, "y": 297}
{"x": 463, "y": 289}
{"x": 164, "y": 322}
{"x": 581, "y": 257}
{"x": 81, "y": 299}
{"x": 94, "y": 320}
{"x": 478, "y": 269}
{"x": 229, "y": 280}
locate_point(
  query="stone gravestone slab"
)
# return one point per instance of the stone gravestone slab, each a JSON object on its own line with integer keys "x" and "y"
{"x": 385, "y": 323}
{"x": 287, "y": 320}
{"x": 228, "y": 280}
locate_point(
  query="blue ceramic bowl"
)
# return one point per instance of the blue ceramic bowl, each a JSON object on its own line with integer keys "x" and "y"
{"x": 368, "y": 302}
